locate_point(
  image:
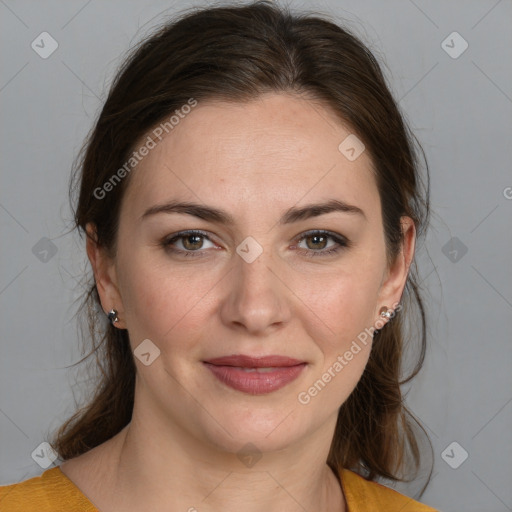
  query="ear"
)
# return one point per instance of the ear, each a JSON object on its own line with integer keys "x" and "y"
{"x": 105, "y": 276}
{"x": 395, "y": 277}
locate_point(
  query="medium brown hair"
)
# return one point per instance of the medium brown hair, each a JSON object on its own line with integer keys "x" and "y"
{"x": 237, "y": 53}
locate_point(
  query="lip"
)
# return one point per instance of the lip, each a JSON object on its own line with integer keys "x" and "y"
{"x": 255, "y": 375}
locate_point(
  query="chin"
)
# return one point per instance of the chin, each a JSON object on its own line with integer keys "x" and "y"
{"x": 266, "y": 430}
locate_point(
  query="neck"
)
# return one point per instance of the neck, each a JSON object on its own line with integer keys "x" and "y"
{"x": 157, "y": 470}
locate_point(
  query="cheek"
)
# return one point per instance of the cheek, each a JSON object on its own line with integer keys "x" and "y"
{"x": 346, "y": 308}
{"x": 161, "y": 301}
{"x": 344, "y": 301}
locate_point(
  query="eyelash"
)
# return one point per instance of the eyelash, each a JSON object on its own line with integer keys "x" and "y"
{"x": 341, "y": 243}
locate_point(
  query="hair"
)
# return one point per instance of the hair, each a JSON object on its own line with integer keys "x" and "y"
{"x": 238, "y": 53}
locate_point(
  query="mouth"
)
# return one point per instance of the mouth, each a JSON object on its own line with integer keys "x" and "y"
{"x": 255, "y": 375}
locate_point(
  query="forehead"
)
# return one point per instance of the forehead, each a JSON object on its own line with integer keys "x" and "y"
{"x": 277, "y": 149}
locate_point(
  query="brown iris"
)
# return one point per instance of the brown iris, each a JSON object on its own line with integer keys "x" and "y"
{"x": 319, "y": 241}
{"x": 191, "y": 242}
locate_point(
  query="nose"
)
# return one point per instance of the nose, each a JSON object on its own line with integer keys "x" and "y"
{"x": 257, "y": 300}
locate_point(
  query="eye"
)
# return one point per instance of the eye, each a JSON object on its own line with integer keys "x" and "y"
{"x": 188, "y": 242}
{"x": 317, "y": 243}
{"x": 321, "y": 243}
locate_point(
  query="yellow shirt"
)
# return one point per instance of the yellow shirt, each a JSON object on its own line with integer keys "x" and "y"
{"x": 53, "y": 491}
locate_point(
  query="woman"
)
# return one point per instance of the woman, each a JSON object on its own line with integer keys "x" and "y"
{"x": 251, "y": 200}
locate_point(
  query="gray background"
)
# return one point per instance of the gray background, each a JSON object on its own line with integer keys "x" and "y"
{"x": 461, "y": 110}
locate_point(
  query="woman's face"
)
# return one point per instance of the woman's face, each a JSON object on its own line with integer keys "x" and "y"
{"x": 259, "y": 278}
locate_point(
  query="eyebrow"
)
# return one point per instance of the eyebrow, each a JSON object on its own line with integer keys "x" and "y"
{"x": 293, "y": 214}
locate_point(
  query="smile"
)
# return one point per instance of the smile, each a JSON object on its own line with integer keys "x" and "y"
{"x": 255, "y": 376}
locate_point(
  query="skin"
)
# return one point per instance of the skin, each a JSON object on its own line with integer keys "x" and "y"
{"x": 254, "y": 161}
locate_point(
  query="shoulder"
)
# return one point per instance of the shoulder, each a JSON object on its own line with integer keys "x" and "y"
{"x": 50, "y": 492}
{"x": 363, "y": 495}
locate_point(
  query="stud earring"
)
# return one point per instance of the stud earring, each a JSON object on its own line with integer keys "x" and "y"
{"x": 385, "y": 312}
{"x": 112, "y": 316}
